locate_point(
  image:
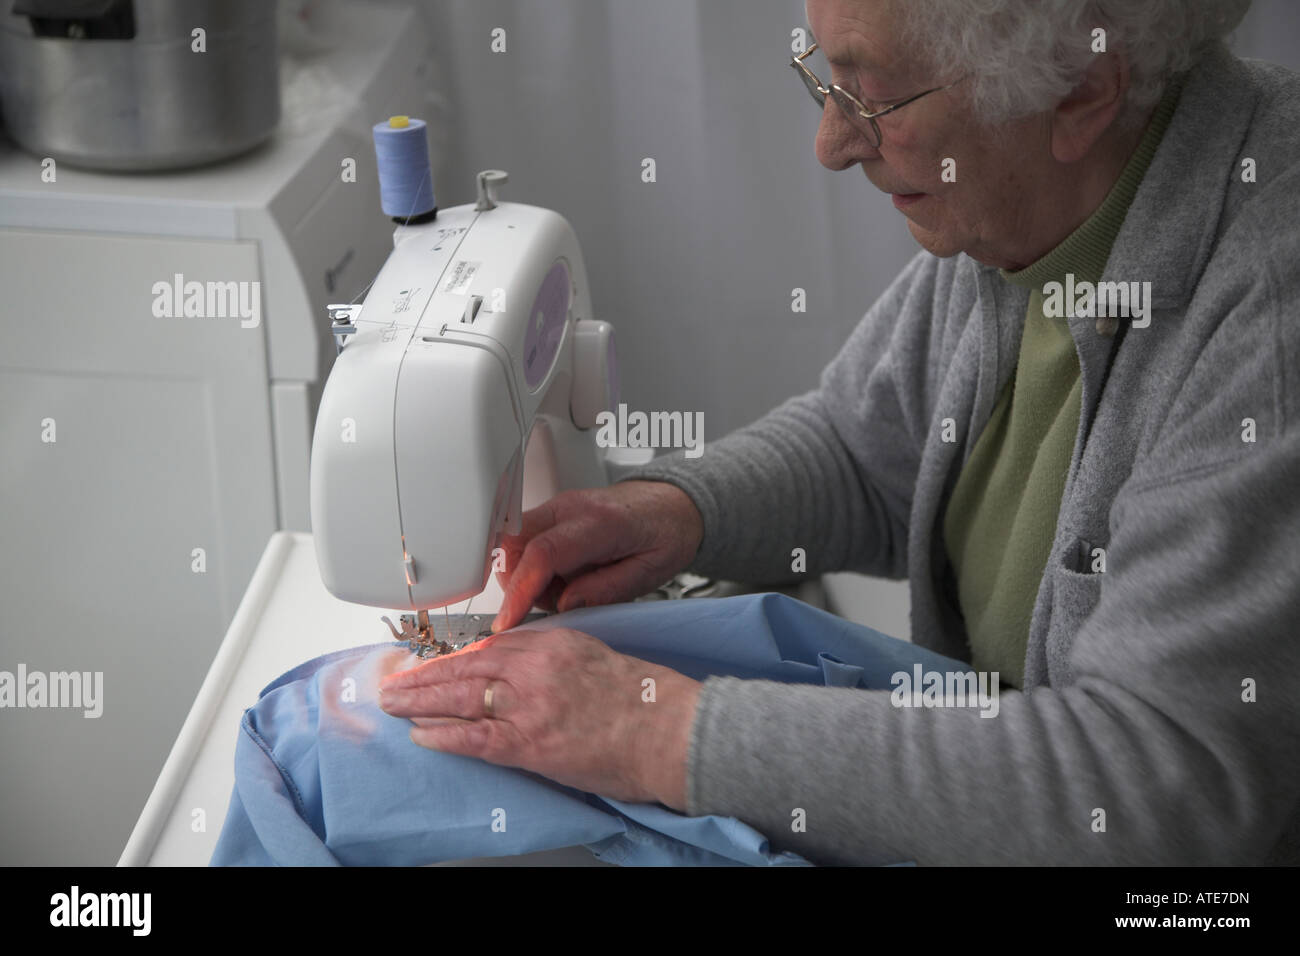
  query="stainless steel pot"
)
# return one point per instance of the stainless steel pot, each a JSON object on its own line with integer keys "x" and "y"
{"x": 118, "y": 84}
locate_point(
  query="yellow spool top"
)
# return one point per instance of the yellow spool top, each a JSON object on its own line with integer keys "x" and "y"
{"x": 399, "y": 122}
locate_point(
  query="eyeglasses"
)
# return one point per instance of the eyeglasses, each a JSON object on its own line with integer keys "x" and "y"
{"x": 857, "y": 113}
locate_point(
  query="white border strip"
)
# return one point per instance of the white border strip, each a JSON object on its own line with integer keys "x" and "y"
{"x": 157, "y": 810}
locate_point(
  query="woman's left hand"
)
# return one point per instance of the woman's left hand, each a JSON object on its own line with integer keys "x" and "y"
{"x": 562, "y": 704}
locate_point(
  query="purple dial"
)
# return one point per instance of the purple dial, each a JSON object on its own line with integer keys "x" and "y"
{"x": 546, "y": 324}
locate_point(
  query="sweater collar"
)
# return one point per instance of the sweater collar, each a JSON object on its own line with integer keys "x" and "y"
{"x": 1169, "y": 230}
{"x": 1085, "y": 251}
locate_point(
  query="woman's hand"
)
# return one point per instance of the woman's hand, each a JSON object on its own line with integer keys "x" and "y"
{"x": 598, "y": 546}
{"x": 562, "y": 704}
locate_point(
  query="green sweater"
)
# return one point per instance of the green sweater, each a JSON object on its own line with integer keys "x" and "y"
{"x": 1001, "y": 520}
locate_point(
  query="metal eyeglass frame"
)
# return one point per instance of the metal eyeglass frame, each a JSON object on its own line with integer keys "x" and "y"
{"x": 849, "y": 104}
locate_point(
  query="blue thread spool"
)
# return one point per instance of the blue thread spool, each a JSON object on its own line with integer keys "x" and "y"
{"x": 405, "y": 179}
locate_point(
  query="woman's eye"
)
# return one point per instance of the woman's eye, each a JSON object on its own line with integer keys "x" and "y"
{"x": 874, "y": 104}
{"x": 854, "y": 88}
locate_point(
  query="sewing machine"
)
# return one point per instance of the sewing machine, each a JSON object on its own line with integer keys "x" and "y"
{"x": 466, "y": 389}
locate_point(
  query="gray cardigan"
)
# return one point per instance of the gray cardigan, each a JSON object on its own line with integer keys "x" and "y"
{"x": 1164, "y": 691}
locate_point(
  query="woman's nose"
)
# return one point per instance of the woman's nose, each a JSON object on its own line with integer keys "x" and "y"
{"x": 839, "y": 143}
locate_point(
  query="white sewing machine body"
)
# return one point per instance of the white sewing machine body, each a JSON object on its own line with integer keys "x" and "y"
{"x": 475, "y": 337}
{"x": 476, "y": 334}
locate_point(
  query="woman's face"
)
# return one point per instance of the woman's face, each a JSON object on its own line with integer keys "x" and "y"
{"x": 1001, "y": 178}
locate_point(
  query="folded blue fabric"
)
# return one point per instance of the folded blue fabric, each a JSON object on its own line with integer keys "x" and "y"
{"x": 324, "y": 777}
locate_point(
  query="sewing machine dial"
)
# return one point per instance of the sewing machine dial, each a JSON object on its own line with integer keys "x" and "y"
{"x": 546, "y": 326}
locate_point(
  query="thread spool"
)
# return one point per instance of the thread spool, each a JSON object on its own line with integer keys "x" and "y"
{"x": 405, "y": 178}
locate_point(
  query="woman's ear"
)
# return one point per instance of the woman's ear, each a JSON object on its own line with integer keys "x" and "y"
{"x": 1091, "y": 108}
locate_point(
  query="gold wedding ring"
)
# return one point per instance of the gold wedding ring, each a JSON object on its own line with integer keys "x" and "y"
{"x": 487, "y": 700}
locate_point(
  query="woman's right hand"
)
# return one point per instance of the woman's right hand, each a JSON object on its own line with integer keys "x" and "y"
{"x": 598, "y": 546}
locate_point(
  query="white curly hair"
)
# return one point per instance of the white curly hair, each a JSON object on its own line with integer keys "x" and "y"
{"x": 1024, "y": 56}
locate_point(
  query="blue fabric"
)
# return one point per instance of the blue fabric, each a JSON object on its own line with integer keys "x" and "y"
{"x": 324, "y": 777}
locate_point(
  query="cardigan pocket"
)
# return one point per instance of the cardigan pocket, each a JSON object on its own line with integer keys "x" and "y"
{"x": 1078, "y": 572}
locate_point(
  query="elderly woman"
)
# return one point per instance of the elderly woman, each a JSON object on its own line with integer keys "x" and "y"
{"x": 1071, "y": 422}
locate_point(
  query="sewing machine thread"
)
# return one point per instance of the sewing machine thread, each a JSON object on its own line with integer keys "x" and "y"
{"x": 405, "y": 177}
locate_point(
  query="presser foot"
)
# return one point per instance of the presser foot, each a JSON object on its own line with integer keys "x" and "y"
{"x": 434, "y": 639}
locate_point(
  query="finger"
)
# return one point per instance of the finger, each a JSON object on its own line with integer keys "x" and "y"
{"x": 492, "y": 740}
{"x": 490, "y": 657}
{"x": 628, "y": 579}
{"x": 533, "y": 522}
{"x": 423, "y": 664}
{"x": 534, "y": 570}
{"x": 514, "y": 549}
{"x": 552, "y": 594}
{"x": 503, "y": 579}
{"x": 462, "y": 699}
{"x": 555, "y": 553}
{"x": 467, "y": 737}
{"x": 536, "y": 520}
{"x": 546, "y": 602}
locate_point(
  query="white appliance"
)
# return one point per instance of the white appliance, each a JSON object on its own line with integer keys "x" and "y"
{"x": 151, "y": 441}
{"x": 475, "y": 344}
